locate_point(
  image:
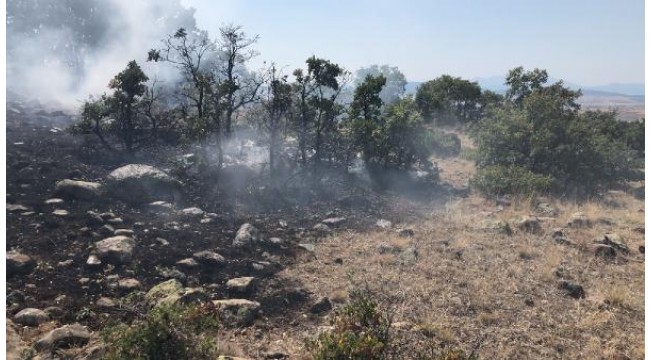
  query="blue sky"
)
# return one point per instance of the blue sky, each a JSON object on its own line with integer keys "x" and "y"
{"x": 587, "y": 42}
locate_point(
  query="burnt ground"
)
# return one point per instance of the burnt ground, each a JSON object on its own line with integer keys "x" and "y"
{"x": 40, "y": 152}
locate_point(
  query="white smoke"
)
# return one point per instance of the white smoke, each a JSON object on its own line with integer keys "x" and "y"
{"x": 61, "y": 51}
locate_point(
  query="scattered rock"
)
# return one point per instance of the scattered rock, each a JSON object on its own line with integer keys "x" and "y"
{"x": 115, "y": 221}
{"x": 54, "y": 201}
{"x": 322, "y": 228}
{"x": 578, "y": 220}
{"x": 615, "y": 241}
{"x": 308, "y": 247}
{"x": 529, "y": 224}
{"x": 384, "y": 224}
{"x": 247, "y": 235}
{"x": 128, "y": 284}
{"x": 104, "y": 302}
{"x": 31, "y": 317}
{"x": 237, "y": 312}
{"x": 19, "y": 264}
{"x": 241, "y": 284}
{"x": 323, "y": 304}
{"x": 93, "y": 261}
{"x": 161, "y": 206}
{"x": 558, "y": 235}
{"x": 572, "y": 289}
{"x": 164, "y": 290}
{"x": 125, "y": 232}
{"x": 188, "y": 263}
{"x": 642, "y": 249}
{"x": 139, "y": 183}
{"x": 276, "y": 241}
{"x": 192, "y": 211}
{"x": 209, "y": 258}
{"x": 60, "y": 212}
{"x": 116, "y": 249}
{"x": 65, "y": 263}
{"x": 79, "y": 190}
{"x": 63, "y": 337}
{"x": 106, "y": 230}
{"x": 409, "y": 255}
{"x": 388, "y": 249}
{"x": 16, "y": 207}
{"x": 334, "y": 221}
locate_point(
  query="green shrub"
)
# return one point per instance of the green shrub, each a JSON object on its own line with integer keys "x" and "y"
{"x": 360, "y": 331}
{"x": 167, "y": 332}
{"x": 499, "y": 180}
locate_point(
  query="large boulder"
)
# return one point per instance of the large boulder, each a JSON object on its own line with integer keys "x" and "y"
{"x": 80, "y": 190}
{"x": 63, "y": 337}
{"x": 138, "y": 183}
{"x": 31, "y": 317}
{"x": 116, "y": 249}
{"x": 172, "y": 292}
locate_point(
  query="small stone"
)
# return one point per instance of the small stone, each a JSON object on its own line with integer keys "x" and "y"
{"x": 104, "y": 302}
{"x": 31, "y": 317}
{"x": 65, "y": 263}
{"x": 323, "y": 304}
{"x": 107, "y": 230}
{"x": 115, "y": 221}
{"x": 116, "y": 249}
{"x": 16, "y": 208}
{"x": 128, "y": 285}
{"x": 206, "y": 220}
{"x": 192, "y": 211}
{"x": 84, "y": 281}
{"x": 388, "y": 249}
{"x": 322, "y": 228}
{"x": 125, "y": 232}
{"x": 275, "y": 241}
{"x": 188, "y": 263}
{"x": 334, "y": 221}
{"x": 162, "y": 242}
{"x": 237, "y": 312}
{"x": 241, "y": 284}
{"x": 409, "y": 255}
{"x": 247, "y": 235}
{"x": 60, "y": 212}
{"x": 642, "y": 249}
{"x": 605, "y": 251}
{"x": 80, "y": 190}
{"x": 308, "y": 247}
{"x": 54, "y": 201}
{"x": 93, "y": 261}
{"x": 615, "y": 241}
{"x": 209, "y": 258}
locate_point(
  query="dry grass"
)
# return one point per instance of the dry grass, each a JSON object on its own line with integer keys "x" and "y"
{"x": 476, "y": 288}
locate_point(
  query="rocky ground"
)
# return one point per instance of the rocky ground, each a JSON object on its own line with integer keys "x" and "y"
{"x": 93, "y": 240}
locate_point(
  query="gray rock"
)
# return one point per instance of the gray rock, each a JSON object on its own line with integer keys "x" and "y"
{"x": 247, "y": 235}
{"x": 546, "y": 209}
{"x": 31, "y": 317}
{"x": 209, "y": 258}
{"x": 63, "y": 337}
{"x": 237, "y": 312}
{"x": 54, "y": 201}
{"x": 116, "y": 249}
{"x": 188, "y": 263}
{"x": 323, "y": 304}
{"x": 405, "y": 232}
{"x": 276, "y": 241}
{"x": 241, "y": 284}
{"x": 409, "y": 255}
{"x": 19, "y": 264}
{"x": 308, "y": 247}
{"x": 79, "y": 190}
{"x": 604, "y": 251}
{"x": 164, "y": 290}
{"x": 128, "y": 284}
{"x": 322, "y": 228}
{"x": 388, "y": 249}
{"x": 137, "y": 183}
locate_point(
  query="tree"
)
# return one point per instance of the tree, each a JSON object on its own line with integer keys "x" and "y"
{"x": 365, "y": 117}
{"x": 395, "y": 81}
{"x": 521, "y": 83}
{"x": 448, "y": 99}
{"x": 235, "y": 51}
{"x": 276, "y": 100}
{"x": 121, "y": 115}
{"x": 315, "y": 120}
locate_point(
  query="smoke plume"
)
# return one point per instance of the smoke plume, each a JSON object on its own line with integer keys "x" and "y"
{"x": 61, "y": 51}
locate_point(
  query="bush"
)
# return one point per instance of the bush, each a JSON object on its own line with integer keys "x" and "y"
{"x": 168, "y": 332}
{"x": 445, "y": 144}
{"x": 360, "y": 331}
{"x": 499, "y": 180}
